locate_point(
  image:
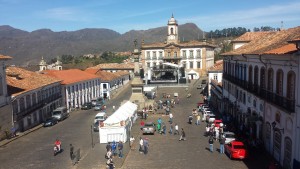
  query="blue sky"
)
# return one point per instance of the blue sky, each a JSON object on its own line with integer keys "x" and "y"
{"x": 126, "y": 15}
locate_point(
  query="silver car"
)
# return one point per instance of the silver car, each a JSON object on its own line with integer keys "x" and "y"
{"x": 149, "y": 128}
{"x": 229, "y": 137}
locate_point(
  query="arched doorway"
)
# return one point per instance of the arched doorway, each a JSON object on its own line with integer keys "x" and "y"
{"x": 287, "y": 159}
{"x": 277, "y": 144}
{"x": 268, "y": 137}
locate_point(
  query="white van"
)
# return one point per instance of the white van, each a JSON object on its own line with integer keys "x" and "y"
{"x": 60, "y": 113}
{"x": 101, "y": 116}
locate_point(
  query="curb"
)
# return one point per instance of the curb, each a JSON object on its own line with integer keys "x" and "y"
{"x": 7, "y": 141}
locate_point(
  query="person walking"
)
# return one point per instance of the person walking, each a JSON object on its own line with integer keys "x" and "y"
{"x": 171, "y": 118}
{"x": 158, "y": 127}
{"x": 131, "y": 142}
{"x": 146, "y": 145}
{"x": 171, "y": 129}
{"x": 211, "y": 143}
{"x": 182, "y": 136}
{"x": 198, "y": 117}
{"x": 222, "y": 142}
{"x": 164, "y": 129}
{"x": 71, "y": 152}
{"x": 114, "y": 148}
{"x": 120, "y": 148}
{"x": 108, "y": 147}
{"x": 176, "y": 129}
{"x": 141, "y": 145}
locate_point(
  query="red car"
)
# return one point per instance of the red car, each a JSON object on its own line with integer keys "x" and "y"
{"x": 217, "y": 123}
{"x": 236, "y": 150}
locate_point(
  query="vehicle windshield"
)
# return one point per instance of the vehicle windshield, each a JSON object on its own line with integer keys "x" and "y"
{"x": 238, "y": 147}
{"x": 56, "y": 113}
{"x": 230, "y": 136}
{"x": 149, "y": 125}
{"x": 99, "y": 117}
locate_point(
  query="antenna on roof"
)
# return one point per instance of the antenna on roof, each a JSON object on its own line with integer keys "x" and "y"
{"x": 281, "y": 27}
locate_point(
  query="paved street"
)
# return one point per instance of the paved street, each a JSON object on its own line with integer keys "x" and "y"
{"x": 35, "y": 149}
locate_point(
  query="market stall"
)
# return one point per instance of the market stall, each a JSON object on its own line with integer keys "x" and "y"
{"x": 117, "y": 126}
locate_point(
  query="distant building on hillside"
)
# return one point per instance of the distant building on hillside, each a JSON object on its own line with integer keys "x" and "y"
{"x": 54, "y": 66}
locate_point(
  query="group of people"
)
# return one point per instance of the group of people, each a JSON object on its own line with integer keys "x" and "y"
{"x": 112, "y": 150}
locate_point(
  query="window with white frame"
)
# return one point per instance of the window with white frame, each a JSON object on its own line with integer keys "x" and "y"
{"x": 215, "y": 76}
{"x": 198, "y": 53}
{"x": 184, "y": 53}
{"x": 191, "y": 53}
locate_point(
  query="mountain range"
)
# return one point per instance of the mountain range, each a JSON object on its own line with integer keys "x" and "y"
{"x": 27, "y": 48}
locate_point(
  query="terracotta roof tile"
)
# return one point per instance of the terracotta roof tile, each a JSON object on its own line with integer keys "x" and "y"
{"x": 121, "y": 73}
{"x": 250, "y": 36}
{"x": 20, "y": 80}
{"x": 116, "y": 66}
{"x": 283, "y": 49}
{"x": 4, "y": 57}
{"x": 70, "y": 76}
{"x": 103, "y": 75}
{"x": 268, "y": 42}
{"x": 218, "y": 66}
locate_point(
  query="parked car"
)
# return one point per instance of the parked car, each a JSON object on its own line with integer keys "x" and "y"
{"x": 149, "y": 128}
{"x": 217, "y": 122}
{"x": 86, "y": 106}
{"x": 50, "y": 122}
{"x": 210, "y": 118}
{"x": 200, "y": 86}
{"x": 229, "y": 137}
{"x": 203, "y": 82}
{"x": 60, "y": 113}
{"x": 236, "y": 150}
{"x": 98, "y": 107}
{"x": 96, "y": 126}
{"x": 101, "y": 116}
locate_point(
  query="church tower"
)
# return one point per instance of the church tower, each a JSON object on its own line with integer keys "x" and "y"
{"x": 43, "y": 65}
{"x": 172, "y": 30}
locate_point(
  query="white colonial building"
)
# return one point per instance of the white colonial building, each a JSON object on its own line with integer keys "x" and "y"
{"x": 260, "y": 82}
{"x": 78, "y": 87}
{"x": 194, "y": 57}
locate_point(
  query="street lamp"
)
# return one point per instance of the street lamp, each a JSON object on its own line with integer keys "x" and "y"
{"x": 274, "y": 125}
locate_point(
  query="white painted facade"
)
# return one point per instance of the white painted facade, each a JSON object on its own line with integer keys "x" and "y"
{"x": 215, "y": 75}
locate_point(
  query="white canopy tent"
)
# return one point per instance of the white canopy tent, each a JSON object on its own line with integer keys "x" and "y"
{"x": 117, "y": 126}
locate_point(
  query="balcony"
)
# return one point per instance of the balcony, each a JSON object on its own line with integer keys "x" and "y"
{"x": 37, "y": 106}
{"x": 268, "y": 96}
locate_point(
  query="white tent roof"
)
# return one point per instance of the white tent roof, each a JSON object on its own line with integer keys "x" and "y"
{"x": 172, "y": 64}
{"x": 122, "y": 113}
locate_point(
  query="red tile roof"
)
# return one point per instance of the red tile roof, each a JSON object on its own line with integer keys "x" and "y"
{"x": 250, "y": 36}
{"x": 20, "y": 80}
{"x": 116, "y": 66}
{"x": 276, "y": 40}
{"x": 103, "y": 75}
{"x": 4, "y": 57}
{"x": 283, "y": 49}
{"x": 70, "y": 76}
{"x": 218, "y": 66}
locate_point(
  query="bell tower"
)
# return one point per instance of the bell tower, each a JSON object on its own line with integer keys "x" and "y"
{"x": 172, "y": 30}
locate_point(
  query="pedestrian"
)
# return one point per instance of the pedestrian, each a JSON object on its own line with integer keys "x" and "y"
{"x": 164, "y": 129}
{"x": 176, "y": 129}
{"x": 158, "y": 127}
{"x": 13, "y": 131}
{"x": 141, "y": 145}
{"x": 207, "y": 130}
{"x": 159, "y": 121}
{"x": 198, "y": 119}
{"x": 114, "y": 107}
{"x": 108, "y": 147}
{"x": 171, "y": 129}
{"x": 222, "y": 142}
{"x": 182, "y": 136}
{"x": 108, "y": 155}
{"x": 110, "y": 163}
{"x": 171, "y": 118}
{"x": 211, "y": 143}
{"x": 120, "y": 148}
{"x": 114, "y": 148}
{"x": 71, "y": 152}
{"x": 131, "y": 142}
{"x": 142, "y": 124}
{"x": 190, "y": 118}
{"x": 146, "y": 145}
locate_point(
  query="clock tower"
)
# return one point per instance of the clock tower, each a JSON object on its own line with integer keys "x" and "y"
{"x": 172, "y": 30}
